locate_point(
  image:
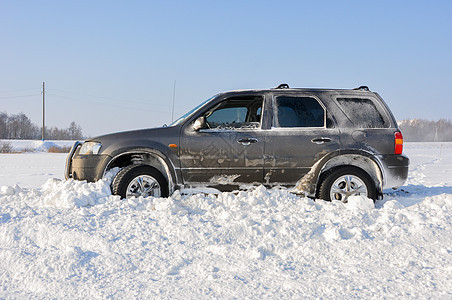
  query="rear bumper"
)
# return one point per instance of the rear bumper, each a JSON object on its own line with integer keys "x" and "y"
{"x": 395, "y": 169}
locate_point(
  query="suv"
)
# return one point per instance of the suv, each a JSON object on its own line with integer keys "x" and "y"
{"x": 328, "y": 143}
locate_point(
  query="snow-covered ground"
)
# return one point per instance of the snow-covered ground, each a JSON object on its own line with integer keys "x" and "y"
{"x": 66, "y": 239}
{"x": 35, "y": 145}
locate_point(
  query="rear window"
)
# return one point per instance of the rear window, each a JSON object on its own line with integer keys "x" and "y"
{"x": 363, "y": 113}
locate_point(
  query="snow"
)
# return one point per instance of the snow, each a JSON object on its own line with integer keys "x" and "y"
{"x": 69, "y": 239}
{"x": 31, "y": 170}
{"x": 36, "y": 145}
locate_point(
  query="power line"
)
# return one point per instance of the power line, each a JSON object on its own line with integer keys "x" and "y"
{"x": 86, "y": 95}
{"x": 72, "y": 99}
{"x": 15, "y": 91}
{"x": 82, "y": 94}
{"x": 21, "y": 96}
{"x": 108, "y": 98}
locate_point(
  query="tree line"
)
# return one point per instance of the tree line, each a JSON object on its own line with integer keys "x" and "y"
{"x": 20, "y": 127}
{"x": 420, "y": 130}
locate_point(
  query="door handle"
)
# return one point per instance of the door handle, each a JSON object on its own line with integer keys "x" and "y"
{"x": 247, "y": 141}
{"x": 321, "y": 140}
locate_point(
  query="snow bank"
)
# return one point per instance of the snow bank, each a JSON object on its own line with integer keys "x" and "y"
{"x": 73, "y": 239}
{"x": 69, "y": 239}
{"x": 36, "y": 145}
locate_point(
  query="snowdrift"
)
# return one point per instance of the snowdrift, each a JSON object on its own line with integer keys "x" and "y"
{"x": 36, "y": 145}
{"x": 70, "y": 239}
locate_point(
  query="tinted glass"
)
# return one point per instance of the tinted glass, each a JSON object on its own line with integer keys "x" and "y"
{"x": 298, "y": 112}
{"x": 227, "y": 116}
{"x": 237, "y": 112}
{"x": 362, "y": 112}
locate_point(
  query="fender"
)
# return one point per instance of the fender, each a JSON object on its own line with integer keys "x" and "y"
{"x": 152, "y": 157}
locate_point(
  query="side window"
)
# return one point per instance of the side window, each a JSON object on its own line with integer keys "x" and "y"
{"x": 362, "y": 112}
{"x": 298, "y": 112}
{"x": 236, "y": 113}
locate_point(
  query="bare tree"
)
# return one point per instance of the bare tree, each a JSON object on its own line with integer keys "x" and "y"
{"x": 3, "y": 125}
{"x": 419, "y": 130}
{"x": 20, "y": 127}
{"x": 75, "y": 131}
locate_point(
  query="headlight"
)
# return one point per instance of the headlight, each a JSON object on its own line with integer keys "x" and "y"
{"x": 90, "y": 148}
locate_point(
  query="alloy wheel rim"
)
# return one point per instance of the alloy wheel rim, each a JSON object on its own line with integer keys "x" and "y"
{"x": 143, "y": 185}
{"x": 346, "y": 186}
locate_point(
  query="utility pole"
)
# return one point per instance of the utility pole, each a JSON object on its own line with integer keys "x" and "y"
{"x": 43, "y": 109}
{"x": 436, "y": 134}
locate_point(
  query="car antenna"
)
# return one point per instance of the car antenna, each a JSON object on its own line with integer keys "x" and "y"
{"x": 174, "y": 100}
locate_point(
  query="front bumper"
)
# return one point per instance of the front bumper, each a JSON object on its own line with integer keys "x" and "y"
{"x": 68, "y": 169}
{"x": 85, "y": 167}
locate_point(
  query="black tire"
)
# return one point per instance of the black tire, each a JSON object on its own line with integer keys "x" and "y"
{"x": 152, "y": 182}
{"x": 359, "y": 183}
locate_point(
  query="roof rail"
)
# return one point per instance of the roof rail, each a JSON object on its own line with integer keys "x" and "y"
{"x": 362, "y": 88}
{"x": 282, "y": 86}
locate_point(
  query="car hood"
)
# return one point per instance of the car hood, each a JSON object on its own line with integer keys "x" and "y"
{"x": 133, "y": 134}
{"x": 156, "y": 138}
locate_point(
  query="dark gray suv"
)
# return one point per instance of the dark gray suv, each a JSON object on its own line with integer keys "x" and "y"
{"x": 326, "y": 143}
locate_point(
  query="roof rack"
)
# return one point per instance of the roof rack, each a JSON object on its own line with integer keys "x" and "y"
{"x": 282, "y": 86}
{"x": 362, "y": 88}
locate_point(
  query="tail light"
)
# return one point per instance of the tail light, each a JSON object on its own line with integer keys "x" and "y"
{"x": 398, "y": 142}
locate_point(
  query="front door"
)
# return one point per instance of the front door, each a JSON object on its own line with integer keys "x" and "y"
{"x": 229, "y": 149}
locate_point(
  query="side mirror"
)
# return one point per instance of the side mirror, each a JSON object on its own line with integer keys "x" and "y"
{"x": 199, "y": 123}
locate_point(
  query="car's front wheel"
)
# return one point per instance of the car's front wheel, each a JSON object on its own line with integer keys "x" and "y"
{"x": 341, "y": 183}
{"x": 139, "y": 180}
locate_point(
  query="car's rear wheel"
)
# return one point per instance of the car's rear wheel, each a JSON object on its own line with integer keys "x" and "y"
{"x": 341, "y": 183}
{"x": 139, "y": 180}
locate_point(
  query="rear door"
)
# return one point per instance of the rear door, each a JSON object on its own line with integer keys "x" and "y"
{"x": 301, "y": 133}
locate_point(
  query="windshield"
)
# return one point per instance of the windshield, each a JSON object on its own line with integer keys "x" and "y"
{"x": 181, "y": 119}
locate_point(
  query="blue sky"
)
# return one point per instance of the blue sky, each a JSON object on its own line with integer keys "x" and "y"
{"x": 111, "y": 65}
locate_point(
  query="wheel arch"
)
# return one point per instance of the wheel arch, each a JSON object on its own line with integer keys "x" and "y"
{"x": 364, "y": 160}
{"x": 359, "y": 159}
{"x": 146, "y": 156}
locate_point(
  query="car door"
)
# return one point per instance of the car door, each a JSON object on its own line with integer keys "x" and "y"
{"x": 301, "y": 133}
{"x": 228, "y": 150}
